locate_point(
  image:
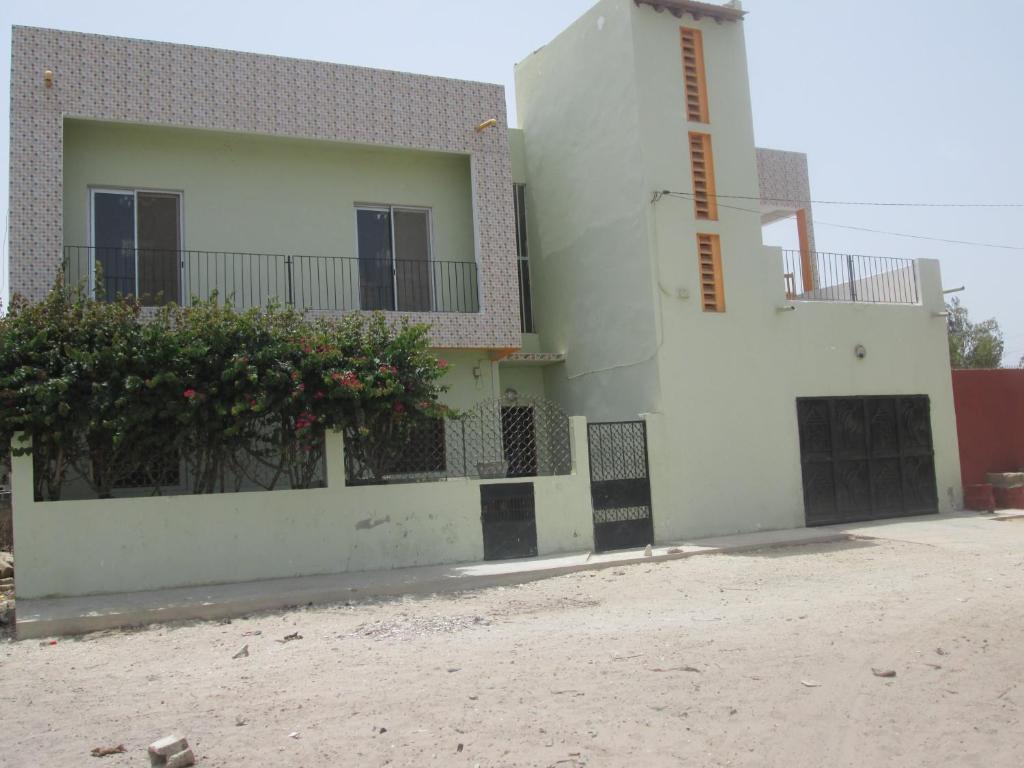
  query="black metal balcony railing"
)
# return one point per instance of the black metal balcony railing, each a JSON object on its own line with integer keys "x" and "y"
{"x": 815, "y": 276}
{"x": 257, "y": 279}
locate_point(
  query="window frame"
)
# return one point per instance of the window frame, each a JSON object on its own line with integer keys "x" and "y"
{"x": 710, "y": 196}
{"x": 696, "y": 36}
{"x": 527, "y": 319}
{"x": 390, "y": 208}
{"x": 93, "y": 190}
{"x": 714, "y": 242}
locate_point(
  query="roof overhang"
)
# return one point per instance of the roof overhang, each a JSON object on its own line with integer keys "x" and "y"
{"x": 697, "y": 10}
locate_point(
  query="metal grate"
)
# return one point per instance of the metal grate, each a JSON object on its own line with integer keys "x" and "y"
{"x": 499, "y": 438}
{"x": 416, "y": 453}
{"x": 326, "y": 283}
{"x": 618, "y": 451}
{"x": 816, "y": 276}
{"x": 511, "y": 437}
{"x": 619, "y": 485}
{"x": 260, "y": 465}
{"x": 508, "y": 519}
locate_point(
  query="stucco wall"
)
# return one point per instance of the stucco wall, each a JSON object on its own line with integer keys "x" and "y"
{"x": 719, "y": 389}
{"x": 990, "y": 421}
{"x": 729, "y": 439}
{"x": 587, "y": 199}
{"x": 124, "y": 545}
{"x": 259, "y": 194}
{"x": 148, "y": 83}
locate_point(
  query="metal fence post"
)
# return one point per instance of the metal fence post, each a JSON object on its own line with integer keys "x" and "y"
{"x": 288, "y": 273}
{"x": 853, "y": 287}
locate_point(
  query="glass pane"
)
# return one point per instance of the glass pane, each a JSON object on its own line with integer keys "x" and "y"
{"x": 412, "y": 260}
{"x": 159, "y": 246}
{"x": 114, "y": 240}
{"x": 525, "y": 297}
{"x": 376, "y": 280}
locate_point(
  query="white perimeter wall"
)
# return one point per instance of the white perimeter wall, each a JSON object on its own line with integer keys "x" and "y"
{"x": 67, "y": 548}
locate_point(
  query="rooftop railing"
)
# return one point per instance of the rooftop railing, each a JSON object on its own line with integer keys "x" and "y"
{"x": 816, "y": 276}
{"x": 331, "y": 283}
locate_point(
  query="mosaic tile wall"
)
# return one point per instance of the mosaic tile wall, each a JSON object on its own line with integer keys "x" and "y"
{"x": 118, "y": 79}
{"x": 783, "y": 176}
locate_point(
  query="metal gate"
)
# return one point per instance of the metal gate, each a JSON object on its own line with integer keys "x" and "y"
{"x": 620, "y": 486}
{"x": 865, "y": 458}
{"x": 509, "y": 521}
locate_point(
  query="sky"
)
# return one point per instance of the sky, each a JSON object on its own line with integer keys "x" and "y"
{"x": 909, "y": 101}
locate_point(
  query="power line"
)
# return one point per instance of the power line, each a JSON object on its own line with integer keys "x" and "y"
{"x": 851, "y": 202}
{"x": 922, "y": 237}
{"x": 817, "y": 222}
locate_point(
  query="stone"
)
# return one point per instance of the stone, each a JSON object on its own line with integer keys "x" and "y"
{"x": 181, "y": 759}
{"x": 163, "y": 751}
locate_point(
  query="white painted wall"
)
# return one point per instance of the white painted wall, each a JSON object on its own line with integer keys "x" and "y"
{"x": 71, "y": 548}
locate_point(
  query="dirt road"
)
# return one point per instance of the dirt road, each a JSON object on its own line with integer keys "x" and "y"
{"x": 760, "y": 659}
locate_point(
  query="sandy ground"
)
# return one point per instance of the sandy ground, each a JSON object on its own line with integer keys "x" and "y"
{"x": 760, "y": 659}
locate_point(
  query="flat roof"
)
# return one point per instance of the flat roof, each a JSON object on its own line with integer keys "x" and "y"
{"x": 698, "y": 10}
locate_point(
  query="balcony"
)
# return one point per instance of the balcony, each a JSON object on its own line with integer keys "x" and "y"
{"x": 323, "y": 283}
{"x": 841, "y": 277}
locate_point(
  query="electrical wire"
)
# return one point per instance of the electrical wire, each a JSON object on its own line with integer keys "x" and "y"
{"x": 853, "y": 202}
{"x": 819, "y": 222}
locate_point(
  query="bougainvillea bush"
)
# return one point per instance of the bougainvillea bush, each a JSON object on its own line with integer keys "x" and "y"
{"x": 113, "y": 398}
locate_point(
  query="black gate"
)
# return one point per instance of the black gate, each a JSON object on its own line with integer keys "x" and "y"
{"x": 865, "y": 458}
{"x": 509, "y": 521}
{"x": 620, "y": 486}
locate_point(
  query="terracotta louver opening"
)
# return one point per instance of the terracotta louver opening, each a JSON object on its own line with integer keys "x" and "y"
{"x": 694, "y": 75}
{"x": 703, "y": 168}
{"x": 712, "y": 289}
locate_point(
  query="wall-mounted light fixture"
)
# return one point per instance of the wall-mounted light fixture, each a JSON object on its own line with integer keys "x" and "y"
{"x": 511, "y": 394}
{"x": 860, "y": 351}
{"x": 493, "y": 122}
{"x": 48, "y": 78}
{"x": 786, "y": 308}
{"x": 955, "y": 290}
{"x": 940, "y": 314}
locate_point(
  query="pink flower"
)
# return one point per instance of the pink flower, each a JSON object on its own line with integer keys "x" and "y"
{"x": 348, "y": 380}
{"x": 398, "y": 408}
{"x": 189, "y": 393}
{"x": 442, "y": 363}
{"x": 304, "y": 421}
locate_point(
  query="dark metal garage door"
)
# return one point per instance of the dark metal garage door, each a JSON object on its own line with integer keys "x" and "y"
{"x": 866, "y": 458}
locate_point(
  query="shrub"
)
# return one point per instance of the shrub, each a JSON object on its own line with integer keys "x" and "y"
{"x": 111, "y": 395}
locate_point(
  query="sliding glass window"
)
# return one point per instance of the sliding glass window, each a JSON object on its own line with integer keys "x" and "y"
{"x": 136, "y": 245}
{"x": 395, "y": 266}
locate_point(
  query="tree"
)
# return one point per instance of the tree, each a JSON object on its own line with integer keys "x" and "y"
{"x": 972, "y": 345}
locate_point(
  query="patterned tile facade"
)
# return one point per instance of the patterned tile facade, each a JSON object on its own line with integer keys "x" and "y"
{"x": 783, "y": 176}
{"x": 118, "y": 79}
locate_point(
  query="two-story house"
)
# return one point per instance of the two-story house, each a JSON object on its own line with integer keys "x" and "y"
{"x": 606, "y": 255}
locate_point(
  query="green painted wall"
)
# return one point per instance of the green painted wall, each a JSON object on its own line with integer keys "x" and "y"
{"x": 124, "y": 545}
{"x": 267, "y": 195}
{"x": 464, "y": 388}
{"x": 602, "y": 108}
{"x": 527, "y": 380}
{"x": 517, "y": 150}
{"x": 587, "y": 200}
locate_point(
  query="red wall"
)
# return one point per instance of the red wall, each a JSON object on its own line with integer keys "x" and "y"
{"x": 989, "y": 421}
